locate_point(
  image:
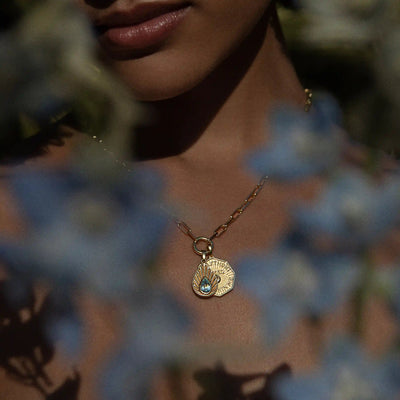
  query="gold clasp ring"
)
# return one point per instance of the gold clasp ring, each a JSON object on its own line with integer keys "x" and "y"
{"x": 207, "y": 251}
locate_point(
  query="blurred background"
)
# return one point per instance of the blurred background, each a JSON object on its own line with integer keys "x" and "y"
{"x": 351, "y": 49}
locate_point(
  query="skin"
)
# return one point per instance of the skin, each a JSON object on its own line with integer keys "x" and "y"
{"x": 232, "y": 70}
{"x": 200, "y": 44}
{"x": 228, "y": 78}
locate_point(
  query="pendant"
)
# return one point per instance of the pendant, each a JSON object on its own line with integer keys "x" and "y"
{"x": 213, "y": 277}
{"x": 224, "y": 272}
{"x": 205, "y": 282}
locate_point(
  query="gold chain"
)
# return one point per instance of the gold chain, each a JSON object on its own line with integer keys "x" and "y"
{"x": 308, "y": 103}
{"x": 232, "y": 218}
{"x": 238, "y": 211}
{"x": 122, "y": 163}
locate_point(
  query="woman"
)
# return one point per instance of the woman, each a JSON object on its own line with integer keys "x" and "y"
{"x": 211, "y": 71}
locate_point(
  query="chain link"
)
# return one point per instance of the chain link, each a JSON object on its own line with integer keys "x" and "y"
{"x": 232, "y": 218}
{"x": 116, "y": 160}
{"x": 309, "y": 98}
{"x": 185, "y": 229}
{"x": 239, "y": 211}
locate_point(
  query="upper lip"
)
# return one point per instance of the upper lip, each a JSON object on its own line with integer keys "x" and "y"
{"x": 140, "y": 13}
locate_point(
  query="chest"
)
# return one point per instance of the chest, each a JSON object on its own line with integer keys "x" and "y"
{"x": 224, "y": 349}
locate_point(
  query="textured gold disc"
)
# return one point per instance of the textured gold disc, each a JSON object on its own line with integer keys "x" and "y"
{"x": 226, "y": 275}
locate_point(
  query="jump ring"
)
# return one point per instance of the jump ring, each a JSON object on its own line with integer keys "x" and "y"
{"x": 210, "y": 245}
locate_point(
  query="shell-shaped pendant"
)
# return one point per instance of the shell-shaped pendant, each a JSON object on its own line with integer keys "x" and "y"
{"x": 224, "y": 272}
{"x": 205, "y": 282}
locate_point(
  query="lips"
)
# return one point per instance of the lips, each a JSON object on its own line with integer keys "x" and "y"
{"x": 144, "y": 26}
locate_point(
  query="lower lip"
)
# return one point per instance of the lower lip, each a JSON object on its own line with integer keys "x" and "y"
{"x": 145, "y": 34}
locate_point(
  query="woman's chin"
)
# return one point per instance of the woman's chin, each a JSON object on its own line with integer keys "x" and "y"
{"x": 163, "y": 92}
{"x": 149, "y": 93}
{"x": 157, "y": 83}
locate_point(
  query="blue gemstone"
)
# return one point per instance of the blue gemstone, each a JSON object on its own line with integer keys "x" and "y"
{"x": 205, "y": 286}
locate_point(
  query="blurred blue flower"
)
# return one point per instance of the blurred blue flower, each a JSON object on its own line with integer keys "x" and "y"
{"x": 346, "y": 374}
{"x": 95, "y": 233}
{"x": 353, "y": 210}
{"x": 301, "y": 144}
{"x": 154, "y": 335}
{"x": 291, "y": 282}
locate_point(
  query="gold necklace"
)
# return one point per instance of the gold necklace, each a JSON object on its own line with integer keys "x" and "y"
{"x": 214, "y": 276}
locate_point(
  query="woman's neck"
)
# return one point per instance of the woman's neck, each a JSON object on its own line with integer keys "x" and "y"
{"x": 226, "y": 114}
